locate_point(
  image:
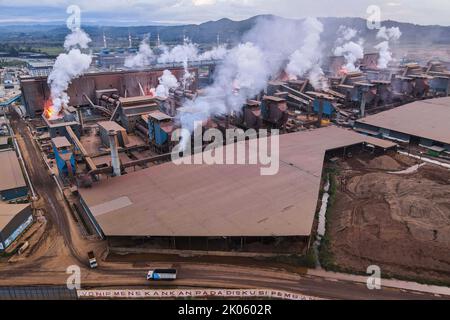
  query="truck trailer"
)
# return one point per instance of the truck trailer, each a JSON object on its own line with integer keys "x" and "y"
{"x": 162, "y": 274}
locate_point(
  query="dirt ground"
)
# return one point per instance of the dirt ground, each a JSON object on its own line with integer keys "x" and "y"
{"x": 400, "y": 222}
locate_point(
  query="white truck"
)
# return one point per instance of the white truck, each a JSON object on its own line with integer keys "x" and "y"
{"x": 92, "y": 261}
{"x": 162, "y": 274}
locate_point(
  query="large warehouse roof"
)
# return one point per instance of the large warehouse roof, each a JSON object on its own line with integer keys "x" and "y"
{"x": 8, "y": 212}
{"x": 221, "y": 200}
{"x": 11, "y": 176}
{"x": 426, "y": 118}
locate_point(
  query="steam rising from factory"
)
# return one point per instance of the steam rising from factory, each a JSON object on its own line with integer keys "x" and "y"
{"x": 144, "y": 56}
{"x": 266, "y": 52}
{"x": 308, "y": 58}
{"x": 67, "y": 66}
{"x": 166, "y": 82}
{"x": 349, "y": 47}
{"x": 388, "y": 34}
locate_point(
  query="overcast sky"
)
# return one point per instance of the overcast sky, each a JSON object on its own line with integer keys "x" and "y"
{"x": 145, "y": 12}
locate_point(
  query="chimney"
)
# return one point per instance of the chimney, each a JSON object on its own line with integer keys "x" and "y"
{"x": 114, "y": 152}
{"x": 80, "y": 119}
{"x": 363, "y": 104}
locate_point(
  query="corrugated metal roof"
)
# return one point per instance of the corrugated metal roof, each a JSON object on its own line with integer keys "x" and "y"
{"x": 8, "y": 212}
{"x": 111, "y": 125}
{"x": 158, "y": 115}
{"x": 61, "y": 142}
{"x": 222, "y": 200}
{"x": 11, "y": 176}
{"x": 426, "y": 118}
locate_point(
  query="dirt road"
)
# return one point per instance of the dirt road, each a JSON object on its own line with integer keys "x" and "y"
{"x": 63, "y": 246}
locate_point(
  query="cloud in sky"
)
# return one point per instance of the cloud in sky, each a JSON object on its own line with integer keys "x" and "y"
{"x": 144, "y": 12}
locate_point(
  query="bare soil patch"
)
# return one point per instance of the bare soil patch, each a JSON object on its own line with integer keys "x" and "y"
{"x": 399, "y": 222}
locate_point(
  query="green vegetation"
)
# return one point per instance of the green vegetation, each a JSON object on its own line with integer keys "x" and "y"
{"x": 325, "y": 253}
{"x": 308, "y": 260}
{"x": 51, "y": 51}
{"x": 12, "y": 63}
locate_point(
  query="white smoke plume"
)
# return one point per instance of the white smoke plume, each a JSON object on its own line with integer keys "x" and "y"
{"x": 67, "y": 67}
{"x": 184, "y": 53}
{"x": 216, "y": 53}
{"x": 308, "y": 58}
{"x": 166, "y": 82}
{"x": 352, "y": 50}
{"x": 243, "y": 74}
{"x": 345, "y": 34}
{"x": 388, "y": 34}
{"x": 393, "y": 33}
{"x": 78, "y": 38}
{"x": 144, "y": 57}
{"x": 245, "y": 70}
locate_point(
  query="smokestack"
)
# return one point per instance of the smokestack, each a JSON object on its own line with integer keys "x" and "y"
{"x": 363, "y": 104}
{"x": 80, "y": 119}
{"x": 114, "y": 153}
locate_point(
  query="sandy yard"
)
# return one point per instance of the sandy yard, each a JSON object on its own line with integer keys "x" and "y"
{"x": 400, "y": 222}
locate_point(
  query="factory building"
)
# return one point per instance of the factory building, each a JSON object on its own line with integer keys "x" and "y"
{"x": 14, "y": 220}
{"x": 36, "y": 92}
{"x": 40, "y": 68}
{"x": 196, "y": 206}
{"x": 105, "y": 127}
{"x": 12, "y": 182}
{"x": 424, "y": 123}
{"x": 133, "y": 108}
{"x": 65, "y": 125}
{"x": 64, "y": 156}
{"x": 5, "y": 142}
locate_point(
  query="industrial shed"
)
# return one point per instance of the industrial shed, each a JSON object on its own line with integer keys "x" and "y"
{"x": 130, "y": 83}
{"x": 12, "y": 182}
{"x": 14, "y": 219}
{"x": 425, "y": 122}
{"x": 213, "y": 201}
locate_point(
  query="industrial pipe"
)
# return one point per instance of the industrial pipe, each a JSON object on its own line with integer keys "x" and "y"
{"x": 107, "y": 170}
{"x": 115, "y": 161}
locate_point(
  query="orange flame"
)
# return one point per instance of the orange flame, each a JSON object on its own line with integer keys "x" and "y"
{"x": 343, "y": 71}
{"x": 48, "y": 109}
{"x": 284, "y": 76}
{"x": 150, "y": 92}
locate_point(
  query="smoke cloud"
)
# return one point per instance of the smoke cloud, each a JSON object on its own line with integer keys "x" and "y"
{"x": 67, "y": 67}
{"x": 216, "y": 53}
{"x": 144, "y": 57}
{"x": 351, "y": 50}
{"x": 247, "y": 68}
{"x": 166, "y": 82}
{"x": 308, "y": 58}
{"x": 388, "y": 34}
{"x": 180, "y": 53}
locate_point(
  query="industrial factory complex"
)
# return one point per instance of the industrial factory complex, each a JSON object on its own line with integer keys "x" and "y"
{"x": 303, "y": 155}
{"x": 190, "y": 201}
{"x": 109, "y": 149}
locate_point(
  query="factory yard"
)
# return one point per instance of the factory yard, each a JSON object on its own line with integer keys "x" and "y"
{"x": 233, "y": 168}
{"x": 400, "y": 222}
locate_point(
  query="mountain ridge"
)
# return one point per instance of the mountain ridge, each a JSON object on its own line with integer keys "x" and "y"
{"x": 229, "y": 31}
